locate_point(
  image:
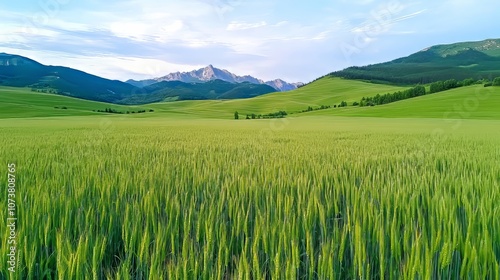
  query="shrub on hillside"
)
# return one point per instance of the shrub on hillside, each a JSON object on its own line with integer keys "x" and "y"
{"x": 467, "y": 82}
{"x": 496, "y": 81}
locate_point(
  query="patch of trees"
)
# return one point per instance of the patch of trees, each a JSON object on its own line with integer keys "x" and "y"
{"x": 468, "y": 82}
{"x": 275, "y": 115}
{"x": 310, "y": 108}
{"x": 324, "y": 107}
{"x": 46, "y": 90}
{"x": 113, "y": 111}
{"x": 451, "y": 84}
{"x": 496, "y": 82}
{"x": 445, "y": 85}
{"x": 392, "y": 97}
{"x": 342, "y": 104}
{"x": 110, "y": 111}
{"x": 415, "y": 92}
{"x": 64, "y": 107}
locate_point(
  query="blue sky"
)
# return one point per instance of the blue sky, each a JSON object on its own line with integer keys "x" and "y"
{"x": 292, "y": 40}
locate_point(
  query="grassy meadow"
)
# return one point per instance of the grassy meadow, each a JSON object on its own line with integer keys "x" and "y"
{"x": 473, "y": 102}
{"x": 313, "y": 197}
{"x": 23, "y": 103}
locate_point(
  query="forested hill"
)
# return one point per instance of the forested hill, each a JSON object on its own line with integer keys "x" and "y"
{"x": 478, "y": 60}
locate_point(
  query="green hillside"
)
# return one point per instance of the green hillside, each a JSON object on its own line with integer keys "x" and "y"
{"x": 473, "y": 102}
{"x": 19, "y": 102}
{"x": 18, "y": 71}
{"x": 478, "y": 60}
{"x": 326, "y": 91}
{"x": 490, "y": 47}
{"x": 23, "y": 103}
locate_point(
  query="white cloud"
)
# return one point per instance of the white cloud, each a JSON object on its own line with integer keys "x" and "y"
{"x": 134, "y": 30}
{"x": 405, "y": 17}
{"x": 380, "y": 26}
{"x": 281, "y": 23}
{"x": 235, "y": 26}
{"x": 173, "y": 27}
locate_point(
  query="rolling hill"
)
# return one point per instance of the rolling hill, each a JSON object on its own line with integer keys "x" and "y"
{"x": 452, "y": 104}
{"x": 326, "y": 91}
{"x": 472, "y": 102}
{"x": 23, "y": 103}
{"x": 478, "y": 60}
{"x": 18, "y": 71}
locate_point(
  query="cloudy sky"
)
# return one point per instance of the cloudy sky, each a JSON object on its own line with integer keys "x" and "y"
{"x": 289, "y": 39}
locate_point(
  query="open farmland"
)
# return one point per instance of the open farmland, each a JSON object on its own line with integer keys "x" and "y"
{"x": 310, "y": 197}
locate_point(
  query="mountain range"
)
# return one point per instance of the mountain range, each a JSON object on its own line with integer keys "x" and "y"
{"x": 18, "y": 71}
{"x": 214, "y": 89}
{"x": 211, "y": 73}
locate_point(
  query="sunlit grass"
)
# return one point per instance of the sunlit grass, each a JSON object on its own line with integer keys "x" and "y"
{"x": 324, "y": 198}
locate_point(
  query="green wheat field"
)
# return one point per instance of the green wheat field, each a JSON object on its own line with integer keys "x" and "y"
{"x": 311, "y": 197}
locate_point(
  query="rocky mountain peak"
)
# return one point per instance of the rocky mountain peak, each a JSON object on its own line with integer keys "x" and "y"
{"x": 210, "y": 73}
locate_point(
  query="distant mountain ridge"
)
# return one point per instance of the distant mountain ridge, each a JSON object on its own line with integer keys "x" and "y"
{"x": 18, "y": 71}
{"x": 211, "y": 90}
{"x": 478, "y": 60}
{"x": 211, "y": 73}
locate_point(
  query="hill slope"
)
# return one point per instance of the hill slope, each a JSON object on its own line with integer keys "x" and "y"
{"x": 473, "y": 102}
{"x": 17, "y": 102}
{"x": 326, "y": 91}
{"x": 455, "y": 61}
{"x": 18, "y": 71}
{"x": 23, "y": 103}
